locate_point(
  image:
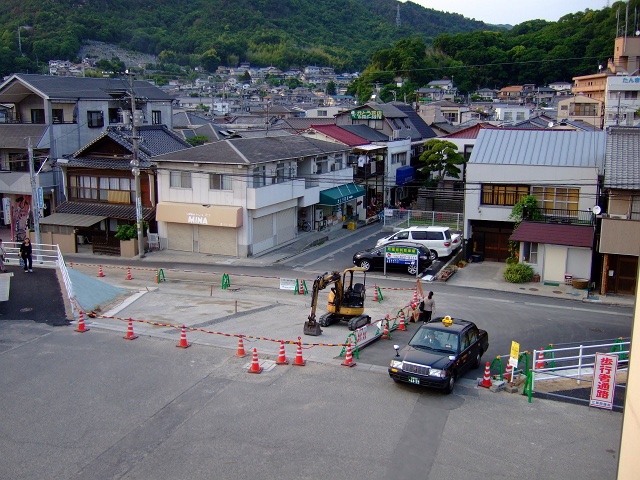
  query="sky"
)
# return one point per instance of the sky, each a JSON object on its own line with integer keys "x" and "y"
{"x": 513, "y": 11}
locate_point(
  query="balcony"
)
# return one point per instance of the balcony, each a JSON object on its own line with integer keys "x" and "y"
{"x": 563, "y": 216}
{"x": 261, "y": 197}
{"x": 373, "y": 169}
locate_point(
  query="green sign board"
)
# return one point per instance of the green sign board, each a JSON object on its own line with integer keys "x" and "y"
{"x": 366, "y": 114}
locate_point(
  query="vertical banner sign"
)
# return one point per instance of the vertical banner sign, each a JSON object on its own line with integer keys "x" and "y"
{"x": 515, "y": 353}
{"x": 6, "y": 210}
{"x": 40, "y": 198}
{"x": 604, "y": 381}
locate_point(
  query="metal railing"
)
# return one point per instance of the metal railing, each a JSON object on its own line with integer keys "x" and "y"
{"x": 398, "y": 218}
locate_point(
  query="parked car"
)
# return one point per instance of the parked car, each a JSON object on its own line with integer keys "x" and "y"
{"x": 374, "y": 258}
{"x": 439, "y": 353}
{"x": 439, "y": 240}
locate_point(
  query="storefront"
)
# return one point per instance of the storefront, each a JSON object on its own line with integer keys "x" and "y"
{"x": 338, "y": 202}
{"x": 196, "y": 228}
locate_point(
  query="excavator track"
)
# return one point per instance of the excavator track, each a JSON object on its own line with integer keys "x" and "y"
{"x": 357, "y": 322}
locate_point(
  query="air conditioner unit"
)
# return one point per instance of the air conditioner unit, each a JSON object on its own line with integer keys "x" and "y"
{"x": 617, "y": 217}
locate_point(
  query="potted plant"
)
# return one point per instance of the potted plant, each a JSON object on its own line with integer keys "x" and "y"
{"x": 128, "y": 234}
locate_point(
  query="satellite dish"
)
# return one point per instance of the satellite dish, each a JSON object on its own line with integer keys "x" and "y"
{"x": 550, "y": 124}
{"x": 596, "y": 210}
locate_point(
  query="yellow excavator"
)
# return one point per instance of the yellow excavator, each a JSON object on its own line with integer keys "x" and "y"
{"x": 346, "y": 300}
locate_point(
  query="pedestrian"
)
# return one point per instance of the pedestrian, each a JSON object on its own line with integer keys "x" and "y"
{"x": 427, "y": 308}
{"x": 25, "y": 254}
{"x": 3, "y": 254}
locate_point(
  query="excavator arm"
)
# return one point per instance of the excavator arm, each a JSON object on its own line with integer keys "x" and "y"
{"x": 311, "y": 326}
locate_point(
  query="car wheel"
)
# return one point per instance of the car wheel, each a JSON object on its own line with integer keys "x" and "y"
{"x": 434, "y": 255}
{"x": 476, "y": 363}
{"x": 451, "y": 383}
{"x": 365, "y": 264}
{"x": 412, "y": 269}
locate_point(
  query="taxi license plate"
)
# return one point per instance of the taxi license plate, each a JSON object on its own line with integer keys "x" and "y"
{"x": 414, "y": 380}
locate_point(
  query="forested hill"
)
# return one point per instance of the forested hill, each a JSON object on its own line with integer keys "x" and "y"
{"x": 284, "y": 33}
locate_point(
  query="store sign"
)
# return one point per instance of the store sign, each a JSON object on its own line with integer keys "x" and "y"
{"x": 604, "y": 381}
{"x": 197, "y": 218}
{"x": 366, "y": 115}
{"x": 630, "y": 79}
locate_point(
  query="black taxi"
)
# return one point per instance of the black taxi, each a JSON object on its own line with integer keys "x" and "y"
{"x": 439, "y": 352}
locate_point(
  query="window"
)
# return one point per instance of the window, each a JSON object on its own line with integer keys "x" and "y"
{"x": 505, "y": 195}
{"x": 259, "y": 174}
{"x": 322, "y": 113}
{"x": 180, "y": 180}
{"x": 564, "y": 108}
{"x": 280, "y": 173}
{"x": 635, "y": 207}
{"x": 156, "y": 117}
{"x": 631, "y": 95}
{"x": 508, "y": 116}
{"x": 519, "y": 115}
{"x": 400, "y": 158}
{"x": 585, "y": 109}
{"x": 58, "y": 115}
{"x": 37, "y": 115}
{"x": 115, "y": 115}
{"x": 557, "y": 198}
{"x": 95, "y": 119}
{"x": 219, "y": 182}
{"x": 322, "y": 164}
{"x": 530, "y": 252}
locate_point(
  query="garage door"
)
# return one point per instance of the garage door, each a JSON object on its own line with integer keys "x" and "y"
{"x": 263, "y": 237}
{"x": 218, "y": 240}
{"x": 180, "y": 237}
{"x": 285, "y": 225}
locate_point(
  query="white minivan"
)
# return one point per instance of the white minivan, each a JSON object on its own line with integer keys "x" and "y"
{"x": 439, "y": 240}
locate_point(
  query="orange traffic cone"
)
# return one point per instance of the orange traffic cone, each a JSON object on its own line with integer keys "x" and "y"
{"x": 508, "y": 372}
{"x": 299, "y": 361}
{"x": 129, "y": 277}
{"x": 415, "y": 301}
{"x": 302, "y": 287}
{"x": 385, "y": 332}
{"x": 81, "y": 328}
{"x": 375, "y": 293}
{"x": 402, "y": 326}
{"x": 486, "y": 380}
{"x": 183, "y": 339}
{"x": 348, "y": 359}
{"x": 100, "y": 272}
{"x": 255, "y": 365}
{"x": 282, "y": 358}
{"x": 130, "y": 335}
{"x": 70, "y": 263}
{"x": 540, "y": 361}
{"x": 241, "y": 352}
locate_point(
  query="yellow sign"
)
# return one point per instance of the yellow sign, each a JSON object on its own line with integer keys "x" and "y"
{"x": 446, "y": 321}
{"x": 515, "y": 350}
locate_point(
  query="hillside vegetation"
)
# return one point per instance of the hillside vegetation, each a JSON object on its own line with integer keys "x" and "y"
{"x": 284, "y": 33}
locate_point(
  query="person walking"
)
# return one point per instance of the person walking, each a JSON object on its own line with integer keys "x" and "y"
{"x": 25, "y": 254}
{"x": 3, "y": 253}
{"x": 427, "y": 308}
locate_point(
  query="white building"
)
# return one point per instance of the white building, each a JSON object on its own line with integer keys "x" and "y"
{"x": 622, "y": 100}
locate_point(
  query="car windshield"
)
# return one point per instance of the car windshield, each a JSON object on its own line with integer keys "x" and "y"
{"x": 433, "y": 339}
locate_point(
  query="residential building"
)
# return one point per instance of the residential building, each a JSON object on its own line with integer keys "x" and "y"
{"x": 100, "y": 188}
{"x": 511, "y": 94}
{"x": 443, "y": 110}
{"x": 620, "y": 227}
{"x": 510, "y": 114}
{"x": 243, "y": 196}
{"x": 59, "y": 115}
{"x": 561, "y": 169}
{"x": 622, "y": 100}
{"x": 580, "y": 107}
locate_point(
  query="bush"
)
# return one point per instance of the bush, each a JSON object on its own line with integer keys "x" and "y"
{"x": 518, "y": 273}
{"x": 126, "y": 232}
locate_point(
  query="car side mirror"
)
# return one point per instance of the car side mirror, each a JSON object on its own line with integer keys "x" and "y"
{"x": 397, "y": 349}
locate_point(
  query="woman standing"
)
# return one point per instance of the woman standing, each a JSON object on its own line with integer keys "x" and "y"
{"x": 25, "y": 254}
{"x": 427, "y": 308}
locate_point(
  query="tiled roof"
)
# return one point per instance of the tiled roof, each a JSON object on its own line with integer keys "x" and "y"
{"x": 111, "y": 210}
{"x": 554, "y": 234}
{"x": 539, "y": 147}
{"x": 416, "y": 120}
{"x": 15, "y": 135}
{"x": 300, "y": 124}
{"x": 365, "y": 131}
{"x": 340, "y": 134}
{"x": 188, "y": 119}
{"x": 106, "y": 163}
{"x": 248, "y": 151}
{"x": 622, "y": 158}
{"x": 470, "y": 132}
{"x": 73, "y": 88}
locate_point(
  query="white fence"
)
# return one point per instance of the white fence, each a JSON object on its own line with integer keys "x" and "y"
{"x": 399, "y": 218}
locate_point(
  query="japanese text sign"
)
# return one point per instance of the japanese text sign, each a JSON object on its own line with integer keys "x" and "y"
{"x": 604, "y": 381}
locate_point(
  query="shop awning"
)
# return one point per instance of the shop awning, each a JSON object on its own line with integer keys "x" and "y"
{"x": 341, "y": 194}
{"x": 71, "y": 220}
{"x": 211, "y": 215}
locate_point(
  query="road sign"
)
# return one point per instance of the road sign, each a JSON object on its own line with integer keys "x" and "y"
{"x": 603, "y": 384}
{"x": 40, "y": 198}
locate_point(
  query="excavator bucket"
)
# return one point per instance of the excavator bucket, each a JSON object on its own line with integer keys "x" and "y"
{"x": 312, "y": 329}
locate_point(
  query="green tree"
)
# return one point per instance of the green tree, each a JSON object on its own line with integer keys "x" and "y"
{"x": 442, "y": 158}
{"x": 331, "y": 88}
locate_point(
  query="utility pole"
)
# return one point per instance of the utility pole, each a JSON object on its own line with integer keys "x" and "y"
{"x": 135, "y": 164}
{"x": 35, "y": 208}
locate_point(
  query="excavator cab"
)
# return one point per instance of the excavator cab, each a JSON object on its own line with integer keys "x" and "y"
{"x": 345, "y": 302}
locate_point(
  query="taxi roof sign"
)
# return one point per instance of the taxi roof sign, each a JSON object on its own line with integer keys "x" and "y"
{"x": 446, "y": 321}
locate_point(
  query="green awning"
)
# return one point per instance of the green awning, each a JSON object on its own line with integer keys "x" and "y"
{"x": 341, "y": 194}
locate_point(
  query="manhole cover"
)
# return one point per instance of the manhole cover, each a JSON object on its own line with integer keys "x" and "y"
{"x": 28, "y": 309}
{"x": 533, "y": 289}
{"x": 557, "y": 291}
